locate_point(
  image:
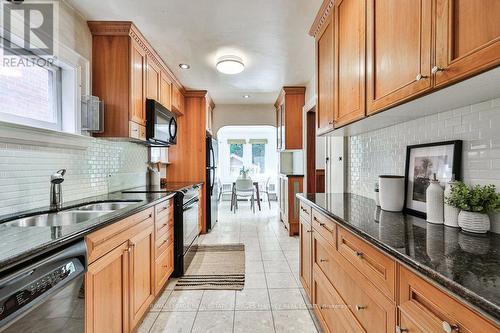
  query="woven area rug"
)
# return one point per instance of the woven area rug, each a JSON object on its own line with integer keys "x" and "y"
{"x": 219, "y": 267}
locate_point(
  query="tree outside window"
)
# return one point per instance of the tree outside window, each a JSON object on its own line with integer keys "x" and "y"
{"x": 259, "y": 157}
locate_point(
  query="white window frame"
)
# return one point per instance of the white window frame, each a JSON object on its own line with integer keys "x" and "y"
{"x": 55, "y": 101}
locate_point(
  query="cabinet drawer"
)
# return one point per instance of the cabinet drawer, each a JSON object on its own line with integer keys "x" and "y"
{"x": 305, "y": 211}
{"x": 325, "y": 226}
{"x": 163, "y": 243}
{"x": 323, "y": 258}
{"x": 104, "y": 240}
{"x": 330, "y": 308}
{"x": 163, "y": 206}
{"x": 373, "y": 264}
{"x": 164, "y": 221}
{"x": 164, "y": 266}
{"x": 429, "y": 307}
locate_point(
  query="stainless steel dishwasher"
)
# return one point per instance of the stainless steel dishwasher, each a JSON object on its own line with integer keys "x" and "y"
{"x": 45, "y": 295}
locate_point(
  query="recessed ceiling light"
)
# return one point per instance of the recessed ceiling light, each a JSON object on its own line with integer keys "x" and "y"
{"x": 246, "y": 96}
{"x": 184, "y": 66}
{"x": 230, "y": 65}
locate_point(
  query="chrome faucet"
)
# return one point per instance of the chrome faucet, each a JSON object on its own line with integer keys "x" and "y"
{"x": 56, "y": 189}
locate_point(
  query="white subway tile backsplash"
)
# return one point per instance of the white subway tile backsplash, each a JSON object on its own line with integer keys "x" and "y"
{"x": 25, "y": 172}
{"x": 384, "y": 151}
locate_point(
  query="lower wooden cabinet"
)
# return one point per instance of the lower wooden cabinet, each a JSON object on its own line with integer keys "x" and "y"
{"x": 305, "y": 233}
{"x": 125, "y": 271}
{"x": 354, "y": 287}
{"x": 289, "y": 204}
{"x": 141, "y": 265}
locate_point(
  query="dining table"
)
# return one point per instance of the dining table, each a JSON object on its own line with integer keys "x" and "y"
{"x": 256, "y": 184}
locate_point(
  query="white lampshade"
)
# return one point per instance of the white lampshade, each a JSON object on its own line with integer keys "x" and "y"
{"x": 230, "y": 65}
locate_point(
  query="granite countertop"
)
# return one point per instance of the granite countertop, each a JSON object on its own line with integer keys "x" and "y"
{"x": 466, "y": 264}
{"x": 18, "y": 244}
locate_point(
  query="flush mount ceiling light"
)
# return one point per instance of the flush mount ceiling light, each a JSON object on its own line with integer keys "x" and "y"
{"x": 246, "y": 96}
{"x": 230, "y": 65}
{"x": 184, "y": 66}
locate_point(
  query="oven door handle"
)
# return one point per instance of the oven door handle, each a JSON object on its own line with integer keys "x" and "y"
{"x": 191, "y": 204}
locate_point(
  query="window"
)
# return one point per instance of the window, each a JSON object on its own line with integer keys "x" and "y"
{"x": 259, "y": 157}
{"x": 30, "y": 92}
{"x": 236, "y": 156}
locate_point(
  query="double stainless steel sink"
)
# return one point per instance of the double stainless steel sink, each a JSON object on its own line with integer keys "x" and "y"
{"x": 71, "y": 216}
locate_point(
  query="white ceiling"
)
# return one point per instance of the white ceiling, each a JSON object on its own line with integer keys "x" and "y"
{"x": 270, "y": 35}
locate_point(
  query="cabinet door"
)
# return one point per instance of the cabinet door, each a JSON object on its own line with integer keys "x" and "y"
{"x": 153, "y": 80}
{"x": 325, "y": 76}
{"x": 106, "y": 293}
{"x": 278, "y": 130}
{"x": 350, "y": 54}
{"x": 177, "y": 100}
{"x": 398, "y": 51}
{"x": 282, "y": 126}
{"x": 305, "y": 232}
{"x": 137, "y": 84}
{"x": 142, "y": 284}
{"x": 467, "y": 38}
{"x": 165, "y": 91}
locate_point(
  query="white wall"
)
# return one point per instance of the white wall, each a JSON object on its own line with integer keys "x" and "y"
{"x": 243, "y": 114}
{"x": 384, "y": 151}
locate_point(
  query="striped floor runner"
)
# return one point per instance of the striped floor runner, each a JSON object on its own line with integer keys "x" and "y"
{"x": 219, "y": 267}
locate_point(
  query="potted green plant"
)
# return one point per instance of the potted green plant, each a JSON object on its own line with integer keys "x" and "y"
{"x": 475, "y": 203}
{"x": 244, "y": 172}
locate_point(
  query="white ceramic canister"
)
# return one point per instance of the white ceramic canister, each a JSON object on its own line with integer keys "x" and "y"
{"x": 391, "y": 192}
{"x": 435, "y": 202}
{"x": 450, "y": 212}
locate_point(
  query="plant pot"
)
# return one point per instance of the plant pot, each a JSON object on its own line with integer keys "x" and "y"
{"x": 474, "y": 222}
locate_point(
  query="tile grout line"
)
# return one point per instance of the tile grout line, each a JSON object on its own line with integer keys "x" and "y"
{"x": 197, "y": 311}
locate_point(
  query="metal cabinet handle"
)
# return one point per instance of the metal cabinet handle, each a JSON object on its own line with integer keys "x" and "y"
{"x": 420, "y": 77}
{"x": 323, "y": 260}
{"x": 448, "y": 328}
{"x": 359, "y": 253}
{"x": 309, "y": 230}
{"x": 401, "y": 330}
{"x": 436, "y": 69}
{"x": 360, "y": 307}
{"x": 330, "y": 123}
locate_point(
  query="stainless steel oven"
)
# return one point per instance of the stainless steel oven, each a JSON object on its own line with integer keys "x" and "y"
{"x": 161, "y": 124}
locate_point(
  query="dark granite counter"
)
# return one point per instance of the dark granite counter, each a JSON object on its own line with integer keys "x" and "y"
{"x": 18, "y": 244}
{"x": 466, "y": 264}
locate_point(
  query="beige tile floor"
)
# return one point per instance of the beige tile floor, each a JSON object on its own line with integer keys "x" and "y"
{"x": 272, "y": 300}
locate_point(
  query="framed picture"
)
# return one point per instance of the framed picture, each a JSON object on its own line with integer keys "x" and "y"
{"x": 423, "y": 161}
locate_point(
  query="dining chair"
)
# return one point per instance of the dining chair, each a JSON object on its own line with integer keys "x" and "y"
{"x": 244, "y": 188}
{"x": 266, "y": 189}
{"x": 224, "y": 188}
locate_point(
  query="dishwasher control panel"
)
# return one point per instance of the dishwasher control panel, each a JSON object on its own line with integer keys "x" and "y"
{"x": 35, "y": 289}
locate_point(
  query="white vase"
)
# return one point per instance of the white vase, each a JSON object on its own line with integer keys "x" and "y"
{"x": 392, "y": 193}
{"x": 450, "y": 212}
{"x": 435, "y": 203}
{"x": 474, "y": 222}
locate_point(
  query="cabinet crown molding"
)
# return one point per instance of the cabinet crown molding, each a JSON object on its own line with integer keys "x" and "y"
{"x": 321, "y": 17}
{"x": 289, "y": 90}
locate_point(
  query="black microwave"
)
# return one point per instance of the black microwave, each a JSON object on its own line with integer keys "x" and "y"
{"x": 161, "y": 124}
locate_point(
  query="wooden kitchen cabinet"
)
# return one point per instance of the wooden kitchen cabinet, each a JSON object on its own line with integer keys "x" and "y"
{"x": 165, "y": 91}
{"x": 177, "y": 100}
{"x": 153, "y": 77}
{"x": 289, "y": 204}
{"x": 210, "y": 115}
{"x": 467, "y": 38}
{"x": 125, "y": 272}
{"x": 141, "y": 266}
{"x": 305, "y": 236}
{"x": 125, "y": 71}
{"x": 398, "y": 51}
{"x": 349, "y": 61}
{"x": 289, "y": 108}
{"x": 325, "y": 109}
{"x": 106, "y": 293}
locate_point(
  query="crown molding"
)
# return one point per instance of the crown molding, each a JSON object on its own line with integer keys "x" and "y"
{"x": 289, "y": 90}
{"x": 321, "y": 17}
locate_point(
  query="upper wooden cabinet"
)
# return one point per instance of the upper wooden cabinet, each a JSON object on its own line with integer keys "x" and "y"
{"x": 467, "y": 38}
{"x": 125, "y": 71}
{"x": 412, "y": 48}
{"x": 289, "y": 108}
{"x": 324, "y": 76}
{"x": 398, "y": 51}
{"x": 210, "y": 115}
{"x": 350, "y": 56}
{"x": 177, "y": 100}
